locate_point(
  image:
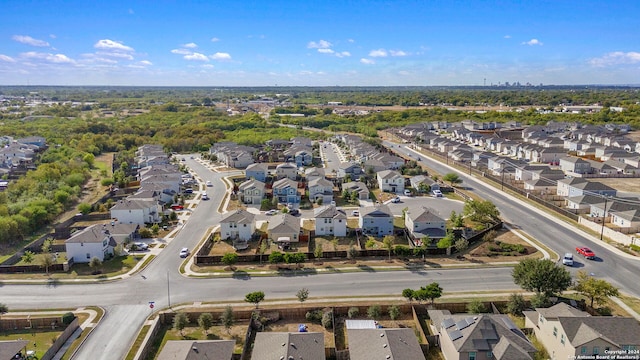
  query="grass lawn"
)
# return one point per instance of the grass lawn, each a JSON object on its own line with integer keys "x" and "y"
{"x": 42, "y": 338}
{"x": 218, "y": 332}
{"x": 632, "y": 302}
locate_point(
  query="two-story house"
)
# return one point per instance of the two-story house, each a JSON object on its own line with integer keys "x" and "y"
{"x": 376, "y": 220}
{"x": 284, "y": 229}
{"x": 423, "y": 222}
{"x": 137, "y": 211}
{"x": 257, "y": 171}
{"x": 330, "y": 221}
{"x": 358, "y": 187}
{"x": 286, "y": 191}
{"x": 251, "y": 192}
{"x": 351, "y": 169}
{"x": 321, "y": 188}
{"x": 93, "y": 241}
{"x": 576, "y": 165}
{"x": 240, "y": 224}
{"x": 391, "y": 181}
{"x": 287, "y": 170}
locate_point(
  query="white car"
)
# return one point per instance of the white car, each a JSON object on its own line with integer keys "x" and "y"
{"x": 184, "y": 252}
{"x": 205, "y": 196}
{"x": 407, "y": 192}
{"x": 437, "y": 193}
{"x": 567, "y": 259}
{"x": 209, "y": 184}
{"x": 271, "y": 212}
{"x": 355, "y": 213}
{"x": 140, "y": 246}
{"x": 395, "y": 200}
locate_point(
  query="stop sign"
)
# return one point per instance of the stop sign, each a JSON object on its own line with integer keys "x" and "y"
{"x": 151, "y": 305}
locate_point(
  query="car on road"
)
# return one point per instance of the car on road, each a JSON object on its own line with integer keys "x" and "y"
{"x": 205, "y": 196}
{"x": 395, "y": 200}
{"x": 586, "y": 252}
{"x": 188, "y": 191}
{"x": 567, "y": 259}
{"x": 355, "y": 213}
{"x": 209, "y": 184}
{"x": 436, "y": 193}
{"x": 271, "y": 212}
{"x": 140, "y": 246}
{"x": 184, "y": 252}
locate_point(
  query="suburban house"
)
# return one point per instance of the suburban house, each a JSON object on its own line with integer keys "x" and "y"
{"x": 238, "y": 225}
{"x": 422, "y": 182}
{"x": 197, "y": 350}
{"x": 582, "y": 202}
{"x": 256, "y": 171}
{"x": 575, "y": 165}
{"x": 321, "y": 188}
{"x": 137, "y": 211}
{"x": 313, "y": 173}
{"x": 251, "y": 192}
{"x": 350, "y": 169}
{"x": 568, "y": 333}
{"x": 565, "y": 185}
{"x": 165, "y": 195}
{"x": 424, "y": 222}
{"x": 590, "y": 188}
{"x": 367, "y": 344}
{"x": 479, "y": 337}
{"x": 123, "y": 233}
{"x": 284, "y": 229}
{"x": 330, "y": 221}
{"x": 376, "y": 220}
{"x": 286, "y": 190}
{"x": 9, "y": 349}
{"x": 303, "y": 157}
{"x": 391, "y": 181}
{"x": 232, "y": 154}
{"x": 357, "y": 186}
{"x": 287, "y": 170}
{"x": 93, "y": 241}
{"x": 288, "y": 345}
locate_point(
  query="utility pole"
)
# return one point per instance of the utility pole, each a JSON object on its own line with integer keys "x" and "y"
{"x": 604, "y": 216}
{"x": 168, "y": 291}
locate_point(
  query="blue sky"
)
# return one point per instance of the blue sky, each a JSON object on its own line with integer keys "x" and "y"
{"x": 319, "y": 43}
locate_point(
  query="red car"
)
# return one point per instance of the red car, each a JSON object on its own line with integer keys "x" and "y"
{"x": 586, "y": 252}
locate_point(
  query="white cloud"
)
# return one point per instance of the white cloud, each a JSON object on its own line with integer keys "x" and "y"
{"x": 208, "y": 66}
{"x": 351, "y": 40}
{"x": 221, "y": 56}
{"x": 146, "y": 63}
{"x": 532, "y": 42}
{"x": 54, "y": 58}
{"x": 325, "y": 51}
{"x": 367, "y": 61}
{"x": 25, "y": 39}
{"x": 111, "y": 45}
{"x": 616, "y": 58}
{"x": 322, "y": 44}
{"x": 378, "y": 53}
{"x": 116, "y": 55}
{"x": 53, "y": 36}
{"x": 397, "y": 53}
{"x": 214, "y": 39}
{"x": 181, "y": 51}
{"x": 6, "y": 58}
{"x": 343, "y": 54}
{"x": 196, "y": 57}
{"x": 507, "y": 36}
{"x": 190, "y": 45}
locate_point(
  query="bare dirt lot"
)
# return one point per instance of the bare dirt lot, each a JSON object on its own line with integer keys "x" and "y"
{"x": 621, "y": 184}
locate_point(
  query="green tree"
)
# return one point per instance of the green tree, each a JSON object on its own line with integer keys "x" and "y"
{"x": 180, "y": 321}
{"x": 255, "y": 297}
{"x": 335, "y": 243}
{"x": 408, "y": 294}
{"x": 46, "y": 261}
{"x": 262, "y": 249}
{"x": 3, "y": 309}
{"x": 388, "y": 242}
{"x": 542, "y": 276}
{"x": 461, "y": 245}
{"x": 205, "y": 321}
{"x": 276, "y": 257}
{"x": 227, "y": 319}
{"x": 353, "y": 312}
{"x": 95, "y": 264}
{"x": 516, "y": 304}
{"x": 318, "y": 251}
{"x": 481, "y": 211}
{"x": 394, "y": 312}
{"x": 28, "y": 257}
{"x": 457, "y": 220}
{"x": 596, "y": 290}
{"x": 302, "y": 295}
{"x": 430, "y": 292}
{"x": 84, "y": 208}
{"x": 446, "y": 241}
{"x": 374, "y": 311}
{"x": 230, "y": 259}
{"x": 476, "y": 306}
{"x": 155, "y": 229}
{"x": 352, "y": 253}
{"x": 452, "y": 178}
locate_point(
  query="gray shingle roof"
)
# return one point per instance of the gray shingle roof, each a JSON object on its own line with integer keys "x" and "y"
{"x": 279, "y": 345}
{"x": 197, "y": 350}
{"x": 393, "y": 344}
{"x": 239, "y": 217}
{"x": 617, "y": 330}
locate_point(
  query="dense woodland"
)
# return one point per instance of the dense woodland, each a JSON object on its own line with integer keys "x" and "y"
{"x": 186, "y": 120}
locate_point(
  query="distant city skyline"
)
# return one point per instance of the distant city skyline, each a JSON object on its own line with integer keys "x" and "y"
{"x": 321, "y": 43}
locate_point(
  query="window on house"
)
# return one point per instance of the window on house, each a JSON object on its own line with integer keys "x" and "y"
{"x": 88, "y": 256}
{"x": 583, "y": 350}
{"x": 596, "y": 350}
{"x": 562, "y": 339}
{"x": 472, "y": 355}
{"x": 555, "y": 331}
{"x": 489, "y": 354}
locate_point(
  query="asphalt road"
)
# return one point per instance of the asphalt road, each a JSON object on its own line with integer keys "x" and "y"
{"x": 127, "y": 301}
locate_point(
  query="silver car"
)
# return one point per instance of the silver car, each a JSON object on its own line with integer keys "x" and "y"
{"x": 567, "y": 259}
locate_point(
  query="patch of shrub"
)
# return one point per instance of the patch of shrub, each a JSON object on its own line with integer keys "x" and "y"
{"x": 327, "y": 319}
{"x": 634, "y": 247}
{"x": 67, "y": 318}
{"x": 353, "y": 312}
{"x": 402, "y": 250}
{"x": 604, "y": 311}
{"x": 315, "y": 316}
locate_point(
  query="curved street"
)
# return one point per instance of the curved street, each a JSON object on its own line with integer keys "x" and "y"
{"x": 127, "y": 301}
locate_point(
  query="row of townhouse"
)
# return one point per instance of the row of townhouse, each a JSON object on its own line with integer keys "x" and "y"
{"x": 19, "y": 153}
{"x": 298, "y": 151}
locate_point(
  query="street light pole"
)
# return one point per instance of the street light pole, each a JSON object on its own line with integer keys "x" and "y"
{"x": 502, "y": 182}
{"x": 168, "y": 291}
{"x": 604, "y": 216}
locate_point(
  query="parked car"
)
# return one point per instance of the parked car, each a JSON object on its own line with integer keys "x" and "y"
{"x": 184, "y": 252}
{"x": 395, "y": 200}
{"x": 140, "y": 246}
{"x": 355, "y": 213}
{"x": 407, "y": 192}
{"x": 205, "y": 196}
{"x": 294, "y": 212}
{"x": 436, "y": 193}
{"x": 271, "y": 212}
{"x": 586, "y": 252}
{"x": 209, "y": 184}
{"x": 567, "y": 259}
{"x": 188, "y": 191}
{"x": 177, "y": 207}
